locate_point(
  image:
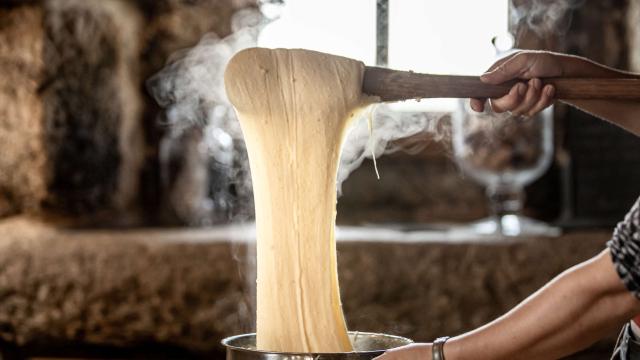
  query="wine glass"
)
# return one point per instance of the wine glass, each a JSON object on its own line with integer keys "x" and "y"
{"x": 504, "y": 153}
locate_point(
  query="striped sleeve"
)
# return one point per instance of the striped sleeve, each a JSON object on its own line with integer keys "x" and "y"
{"x": 625, "y": 249}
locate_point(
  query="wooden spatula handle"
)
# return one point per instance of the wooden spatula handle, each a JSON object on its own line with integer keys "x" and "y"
{"x": 393, "y": 85}
{"x": 595, "y": 88}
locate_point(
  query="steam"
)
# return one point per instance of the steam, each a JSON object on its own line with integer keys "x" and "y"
{"x": 544, "y": 17}
{"x": 191, "y": 86}
{"x": 387, "y": 126}
{"x": 198, "y": 114}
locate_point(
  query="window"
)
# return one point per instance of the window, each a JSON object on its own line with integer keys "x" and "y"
{"x": 340, "y": 27}
{"x": 440, "y": 37}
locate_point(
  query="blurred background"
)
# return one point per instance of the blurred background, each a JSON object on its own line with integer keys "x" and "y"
{"x": 125, "y": 197}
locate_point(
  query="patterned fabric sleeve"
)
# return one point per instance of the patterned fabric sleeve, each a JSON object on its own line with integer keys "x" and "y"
{"x": 625, "y": 249}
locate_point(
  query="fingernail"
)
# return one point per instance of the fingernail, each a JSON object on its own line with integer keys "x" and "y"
{"x": 485, "y": 76}
{"x": 549, "y": 91}
{"x": 536, "y": 83}
{"x": 522, "y": 89}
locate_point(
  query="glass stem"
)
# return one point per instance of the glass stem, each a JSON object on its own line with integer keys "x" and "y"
{"x": 505, "y": 200}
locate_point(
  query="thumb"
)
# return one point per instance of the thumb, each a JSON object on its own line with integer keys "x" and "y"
{"x": 510, "y": 69}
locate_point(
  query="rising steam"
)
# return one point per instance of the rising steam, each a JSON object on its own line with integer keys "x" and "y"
{"x": 387, "y": 126}
{"x": 191, "y": 89}
{"x": 191, "y": 86}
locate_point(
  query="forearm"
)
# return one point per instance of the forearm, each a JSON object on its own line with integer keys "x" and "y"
{"x": 574, "y": 310}
{"x": 576, "y": 66}
{"x": 625, "y": 114}
{"x": 620, "y": 112}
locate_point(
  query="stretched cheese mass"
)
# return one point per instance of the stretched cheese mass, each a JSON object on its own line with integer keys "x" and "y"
{"x": 294, "y": 107}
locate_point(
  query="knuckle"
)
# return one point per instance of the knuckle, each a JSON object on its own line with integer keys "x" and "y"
{"x": 522, "y": 57}
{"x": 536, "y": 86}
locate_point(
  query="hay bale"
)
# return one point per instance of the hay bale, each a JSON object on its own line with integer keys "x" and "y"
{"x": 69, "y": 108}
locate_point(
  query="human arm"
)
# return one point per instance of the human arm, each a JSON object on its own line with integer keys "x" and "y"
{"x": 571, "y": 312}
{"x": 531, "y": 97}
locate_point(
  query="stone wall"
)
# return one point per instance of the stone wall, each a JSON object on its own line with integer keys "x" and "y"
{"x": 80, "y": 135}
{"x": 91, "y": 106}
{"x": 182, "y": 289}
{"x": 73, "y": 143}
{"x": 23, "y": 161}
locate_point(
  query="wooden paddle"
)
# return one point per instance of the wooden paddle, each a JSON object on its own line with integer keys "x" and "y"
{"x": 395, "y": 85}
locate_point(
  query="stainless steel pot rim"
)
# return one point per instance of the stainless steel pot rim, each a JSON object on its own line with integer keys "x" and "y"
{"x": 226, "y": 342}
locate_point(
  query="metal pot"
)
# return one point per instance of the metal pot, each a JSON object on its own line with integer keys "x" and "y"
{"x": 367, "y": 346}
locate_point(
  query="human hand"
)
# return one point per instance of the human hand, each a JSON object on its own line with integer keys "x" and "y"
{"x": 421, "y": 351}
{"x": 524, "y": 98}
